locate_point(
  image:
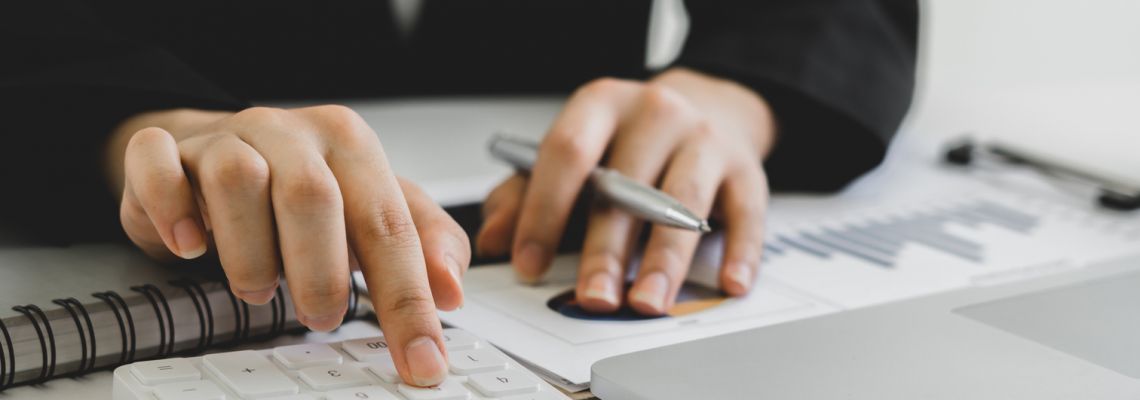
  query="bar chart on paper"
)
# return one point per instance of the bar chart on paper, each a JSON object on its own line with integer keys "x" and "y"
{"x": 880, "y": 242}
{"x": 882, "y": 255}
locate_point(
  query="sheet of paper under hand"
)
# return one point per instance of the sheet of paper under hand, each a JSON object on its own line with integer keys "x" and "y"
{"x": 525, "y": 322}
{"x": 840, "y": 257}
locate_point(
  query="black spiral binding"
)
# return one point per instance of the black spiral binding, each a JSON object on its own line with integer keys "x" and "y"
{"x": 209, "y": 311}
{"x": 90, "y": 332}
{"x": 46, "y": 368}
{"x": 114, "y": 301}
{"x": 123, "y": 317}
{"x": 277, "y": 315}
{"x": 11, "y": 359}
{"x": 244, "y": 321}
{"x": 353, "y": 300}
{"x": 78, "y": 330}
{"x": 72, "y": 305}
{"x": 185, "y": 285}
{"x": 51, "y": 339}
{"x": 169, "y": 316}
{"x": 155, "y": 296}
{"x": 237, "y": 315}
{"x": 281, "y": 300}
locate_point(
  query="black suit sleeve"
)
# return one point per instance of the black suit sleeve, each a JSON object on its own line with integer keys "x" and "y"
{"x": 838, "y": 74}
{"x": 65, "y": 82}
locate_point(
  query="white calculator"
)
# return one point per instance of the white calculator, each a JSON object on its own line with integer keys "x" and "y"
{"x": 350, "y": 370}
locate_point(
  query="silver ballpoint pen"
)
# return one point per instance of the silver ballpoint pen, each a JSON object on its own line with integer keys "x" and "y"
{"x": 631, "y": 196}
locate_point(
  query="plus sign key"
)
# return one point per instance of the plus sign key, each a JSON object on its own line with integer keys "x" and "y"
{"x": 250, "y": 374}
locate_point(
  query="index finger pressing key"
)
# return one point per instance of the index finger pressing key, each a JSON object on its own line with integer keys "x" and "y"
{"x": 381, "y": 232}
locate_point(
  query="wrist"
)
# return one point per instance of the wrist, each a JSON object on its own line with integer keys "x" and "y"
{"x": 179, "y": 122}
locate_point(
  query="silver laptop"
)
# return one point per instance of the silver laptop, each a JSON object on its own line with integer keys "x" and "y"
{"x": 1070, "y": 336}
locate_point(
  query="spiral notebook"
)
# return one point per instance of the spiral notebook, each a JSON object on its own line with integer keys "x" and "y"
{"x": 68, "y": 311}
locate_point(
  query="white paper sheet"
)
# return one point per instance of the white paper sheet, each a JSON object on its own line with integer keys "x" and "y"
{"x": 796, "y": 284}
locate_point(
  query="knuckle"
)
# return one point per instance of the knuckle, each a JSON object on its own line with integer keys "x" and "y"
{"x": 336, "y": 112}
{"x": 154, "y": 185}
{"x": 247, "y": 277}
{"x": 411, "y": 302}
{"x": 342, "y": 123}
{"x": 689, "y": 191}
{"x": 661, "y": 100}
{"x": 571, "y": 148}
{"x": 665, "y": 255}
{"x": 260, "y": 114}
{"x": 310, "y": 189}
{"x": 323, "y": 294}
{"x": 602, "y": 86}
{"x": 157, "y": 182}
{"x": 234, "y": 170}
{"x": 701, "y": 129}
{"x": 146, "y": 136}
{"x": 390, "y": 225}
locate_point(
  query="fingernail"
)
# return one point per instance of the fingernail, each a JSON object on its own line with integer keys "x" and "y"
{"x": 530, "y": 261}
{"x": 324, "y": 323}
{"x": 425, "y": 362}
{"x": 741, "y": 274}
{"x": 256, "y": 297}
{"x": 191, "y": 244}
{"x": 651, "y": 292}
{"x": 601, "y": 288}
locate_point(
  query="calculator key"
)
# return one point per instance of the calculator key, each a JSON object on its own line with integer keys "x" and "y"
{"x": 157, "y": 372}
{"x": 333, "y": 377}
{"x": 455, "y": 339}
{"x": 543, "y": 395}
{"x": 475, "y": 361}
{"x": 503, "y": 383}
{"x": 193, "y": 390}
{"x": 367, "y": 349}
{"x": 385, "y": 370}
{"x": 306, "y": 355}
{"x": 295, "y": 397}
{"x": 250, "y": 374}
{"x": 448, "y": 390}
{"x": 367, "y": 393}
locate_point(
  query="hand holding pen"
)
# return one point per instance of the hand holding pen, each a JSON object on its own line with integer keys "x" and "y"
{"x": 638, "y": 199}
{"x": 698, "y": 139}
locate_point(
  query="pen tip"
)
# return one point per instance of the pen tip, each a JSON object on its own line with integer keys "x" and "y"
{"x": 705, "y": 228}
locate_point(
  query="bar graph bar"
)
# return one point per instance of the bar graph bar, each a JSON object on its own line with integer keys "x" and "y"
{"x": 879, "y": 241}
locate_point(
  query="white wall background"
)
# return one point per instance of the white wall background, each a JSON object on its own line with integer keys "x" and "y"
{"x": 1060, "y": 76}
{"x": 1056, "y": 76}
